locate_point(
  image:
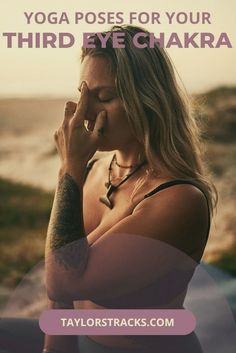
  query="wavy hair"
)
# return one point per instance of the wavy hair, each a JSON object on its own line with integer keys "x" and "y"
{"x": 159, "y": 112}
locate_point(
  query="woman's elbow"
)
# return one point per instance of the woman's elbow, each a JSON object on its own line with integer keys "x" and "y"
{"x": 55, "y": 292}
{"x": 59, "y": 291}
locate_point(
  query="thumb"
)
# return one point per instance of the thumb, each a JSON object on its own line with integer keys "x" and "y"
{"x": 100, "y": 125}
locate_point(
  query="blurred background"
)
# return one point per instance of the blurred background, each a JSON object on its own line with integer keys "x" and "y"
{"x": 35, "y": 83}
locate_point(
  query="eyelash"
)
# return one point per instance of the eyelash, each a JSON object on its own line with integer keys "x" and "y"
{"x": 104, "y": 100}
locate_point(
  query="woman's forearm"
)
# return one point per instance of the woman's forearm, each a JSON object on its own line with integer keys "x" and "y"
{"x": 66, "y": 244}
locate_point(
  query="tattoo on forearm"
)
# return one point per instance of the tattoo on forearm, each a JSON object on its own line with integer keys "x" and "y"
{"x": 66, "y": 237}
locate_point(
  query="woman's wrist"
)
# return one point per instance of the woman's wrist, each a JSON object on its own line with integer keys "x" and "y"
{"x": 76, "y": 172}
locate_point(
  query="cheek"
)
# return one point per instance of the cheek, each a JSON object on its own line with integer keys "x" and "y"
{"x": 116, "y": 115}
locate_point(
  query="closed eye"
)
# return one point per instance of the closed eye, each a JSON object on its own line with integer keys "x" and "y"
{"x": 104, "y": 100}
{"x": 106, "y": 95}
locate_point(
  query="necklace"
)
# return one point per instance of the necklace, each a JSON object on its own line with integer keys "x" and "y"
{"x": 112, "y": 188}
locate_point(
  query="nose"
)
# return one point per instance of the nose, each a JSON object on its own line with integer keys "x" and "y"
{"x": 94, "y": 107}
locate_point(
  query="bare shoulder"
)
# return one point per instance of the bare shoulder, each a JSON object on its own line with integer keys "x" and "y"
{"x": 186, "y": 198}
{"x": 178, "y": 215}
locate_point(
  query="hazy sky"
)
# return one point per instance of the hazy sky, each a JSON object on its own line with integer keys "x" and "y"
{"x": 55, "y": 72}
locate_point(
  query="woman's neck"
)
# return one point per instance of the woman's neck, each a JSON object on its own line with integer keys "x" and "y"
{"x": 128, "y": 158}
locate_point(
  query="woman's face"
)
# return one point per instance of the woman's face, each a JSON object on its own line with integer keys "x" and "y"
{"x": 103, "y": 96}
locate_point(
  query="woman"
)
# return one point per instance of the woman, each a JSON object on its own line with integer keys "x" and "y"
{"x": 152, "y": 186}
{"x": 115, "y": 239}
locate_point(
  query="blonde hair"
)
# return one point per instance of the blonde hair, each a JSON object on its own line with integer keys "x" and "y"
{"x": 158, "y": 112}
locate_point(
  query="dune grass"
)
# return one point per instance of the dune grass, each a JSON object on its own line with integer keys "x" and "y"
{"x": 227, "y": 262}
{"x": 24, "y": 215}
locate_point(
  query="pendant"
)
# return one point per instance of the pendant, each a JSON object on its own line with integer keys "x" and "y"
{"x": 105, "y": 198}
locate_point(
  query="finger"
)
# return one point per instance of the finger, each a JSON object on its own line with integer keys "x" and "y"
{"x": 69, "y": 112}
{"x": 82, "y": 105}
{"x": 100, "y": 125}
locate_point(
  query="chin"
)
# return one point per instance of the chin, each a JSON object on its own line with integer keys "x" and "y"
{"x": 106, "y": 146}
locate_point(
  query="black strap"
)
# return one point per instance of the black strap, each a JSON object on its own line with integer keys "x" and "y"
{"x": 177, "y": 182}
{"x": 168, "y": 184}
